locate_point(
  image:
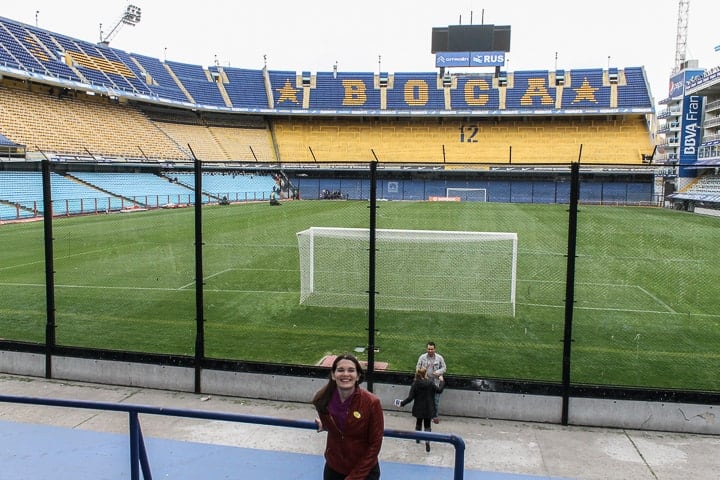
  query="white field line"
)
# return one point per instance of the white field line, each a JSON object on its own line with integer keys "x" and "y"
{"x": 56, "y": 258}
{"x": 188, "y": 285}
{"x": 149, "y": 289}
{"x": 618, "y": 285}
{"x": 669, "y": 308}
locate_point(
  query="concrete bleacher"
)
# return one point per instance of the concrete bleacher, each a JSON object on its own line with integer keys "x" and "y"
{"x": 618, "y": 140}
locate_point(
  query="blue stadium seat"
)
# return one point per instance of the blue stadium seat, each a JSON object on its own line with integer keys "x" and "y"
{"x": 341, "y": 91}
{"x": 636, "y": 92}
{"x": 163, "y": 84}
{"x": 585, "y": 89}
{"x": 195, "y": 80}
{"x": 415, "y": 91}
{"x": 41, "y": 52}
{"x": 475, "y": 91}
{"x": 233, "y": 185}
{"x": 245, "y": 87}
{"x": 531, "y": 89}
{"x": 142, "y": 188}
{"x": 69, "y": 197}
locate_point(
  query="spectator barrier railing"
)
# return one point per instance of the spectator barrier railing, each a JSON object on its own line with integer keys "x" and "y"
{"x": 138, "y": 454}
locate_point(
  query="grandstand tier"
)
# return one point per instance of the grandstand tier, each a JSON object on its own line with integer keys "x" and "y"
{"x": 68, "y": 97}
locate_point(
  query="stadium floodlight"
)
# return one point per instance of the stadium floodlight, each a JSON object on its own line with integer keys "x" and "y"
{"x": 416, "y": 270}
{"x": 131, "y": 17}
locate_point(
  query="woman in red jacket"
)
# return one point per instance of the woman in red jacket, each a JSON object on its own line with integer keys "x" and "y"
{"x": 353, "y": 418}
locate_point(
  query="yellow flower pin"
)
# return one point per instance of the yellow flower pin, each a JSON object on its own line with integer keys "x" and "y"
{"x": 356, "y": 414}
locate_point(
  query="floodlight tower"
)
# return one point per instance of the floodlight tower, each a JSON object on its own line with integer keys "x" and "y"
{"x": 682, "y": 30}
{"x": 130, "y": 17}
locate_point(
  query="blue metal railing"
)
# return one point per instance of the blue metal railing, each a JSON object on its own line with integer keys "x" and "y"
{"x": 138, "y": 454}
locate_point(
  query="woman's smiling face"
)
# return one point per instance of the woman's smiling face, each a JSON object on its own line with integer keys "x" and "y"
{"x": 345, "y": 374}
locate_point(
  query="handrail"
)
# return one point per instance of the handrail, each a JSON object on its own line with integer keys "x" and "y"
{"x": 138, "y": 453}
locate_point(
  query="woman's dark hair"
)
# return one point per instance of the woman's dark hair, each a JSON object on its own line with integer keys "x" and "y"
{"x": 322, "y": 397}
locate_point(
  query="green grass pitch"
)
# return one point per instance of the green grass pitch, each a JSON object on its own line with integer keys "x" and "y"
{"x": 646, "y": 308}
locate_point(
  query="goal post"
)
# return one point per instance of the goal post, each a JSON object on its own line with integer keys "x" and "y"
{"x": 467, "y": 194}
{"x": 416, "y": 270}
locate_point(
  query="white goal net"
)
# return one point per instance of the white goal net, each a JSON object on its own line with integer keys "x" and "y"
{"x": 416, "y": 270}
{"x": 467, "y": 194}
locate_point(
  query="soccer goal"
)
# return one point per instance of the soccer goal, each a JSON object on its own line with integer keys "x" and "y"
{"x": 467, "y": 194}
{"x": 416, "y": 270}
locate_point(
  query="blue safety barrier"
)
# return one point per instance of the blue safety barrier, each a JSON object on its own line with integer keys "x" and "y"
{"x": 139, "y": 461}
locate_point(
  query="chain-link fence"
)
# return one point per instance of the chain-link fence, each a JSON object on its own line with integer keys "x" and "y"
{"x": 287, "y": 265}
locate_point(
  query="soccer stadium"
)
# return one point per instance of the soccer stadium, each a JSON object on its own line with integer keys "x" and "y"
{"x": 229, "y": 231}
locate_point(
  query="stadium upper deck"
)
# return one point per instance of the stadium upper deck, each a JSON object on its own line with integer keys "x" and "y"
{"x": 28, "y": 52}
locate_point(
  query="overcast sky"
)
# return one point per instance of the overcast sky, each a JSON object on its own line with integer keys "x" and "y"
{"x": 391, "y": 35}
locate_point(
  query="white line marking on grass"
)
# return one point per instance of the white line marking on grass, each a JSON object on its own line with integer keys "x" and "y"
{"x": 669, "y": 308}
{"x": 630, "y": 310}
{"x": 56, "y": 258}
{"x": 188, "y": 285}
{"x": 156, "y": 289}
{"x": 21, "y": 265}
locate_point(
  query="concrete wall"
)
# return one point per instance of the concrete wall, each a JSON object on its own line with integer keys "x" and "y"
{"x": 636, "y": 415}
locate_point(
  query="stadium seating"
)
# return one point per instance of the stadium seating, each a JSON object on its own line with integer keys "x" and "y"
{"x": 142, "y": 188}
{"x": 236, "y": 187}
{"x": 636, "y": 92}
{"x": 335, "y": 91}
{"x": 201, "y": 87}
{"x": 415, "y": 91}
{"x": 245, "y": 144}
{"x": 10, "y": 36}
{"x": 471, "y": 118}
{"x": 245, "y": 87}
{"x": 161, "y": 82}
{"x": 24, "y": 189}
{"x": 476, "y": 91}
{"x": 527, "y": 140}
{"x": 706, "y": 188}
{"x": 49, "y": 122}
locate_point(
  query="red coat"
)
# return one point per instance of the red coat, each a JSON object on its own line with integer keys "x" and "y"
{"x": 354, "y": 451}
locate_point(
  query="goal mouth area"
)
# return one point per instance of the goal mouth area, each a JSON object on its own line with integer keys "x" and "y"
{"x": 415, "y": 270}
